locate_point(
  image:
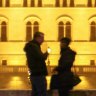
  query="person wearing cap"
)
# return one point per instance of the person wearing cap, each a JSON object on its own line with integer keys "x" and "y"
{"x": 36, "y": 64}
{"x": 65, "y": 63}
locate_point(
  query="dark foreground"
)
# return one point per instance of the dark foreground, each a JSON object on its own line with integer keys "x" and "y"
{"x": 18, "y": 84}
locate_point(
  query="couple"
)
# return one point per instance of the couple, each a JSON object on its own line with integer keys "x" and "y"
{"x": 37, "y": 67}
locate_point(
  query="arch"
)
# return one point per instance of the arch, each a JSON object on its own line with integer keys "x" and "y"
{"x": 28, "y": 31}
{"x": 31, "y": 17}
{"x": 64, "y": 17}
{"x": 32, "y": 25}
{"x": 3, "y": 18}
{"x": 93, "y": 17}
{"x": 3, "y": 31}
{"x": 60, "y": 30}
{"x": 92, "y": 23}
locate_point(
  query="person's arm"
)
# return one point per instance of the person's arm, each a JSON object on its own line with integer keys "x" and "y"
{"x": 37, "y": 53}
{"x": 66, "y": 61}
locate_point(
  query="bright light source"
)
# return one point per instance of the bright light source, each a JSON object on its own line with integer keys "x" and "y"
{"x": 48, "y": 49}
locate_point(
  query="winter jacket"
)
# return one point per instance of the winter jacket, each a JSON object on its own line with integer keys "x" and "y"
{"x": 35, "y": 58}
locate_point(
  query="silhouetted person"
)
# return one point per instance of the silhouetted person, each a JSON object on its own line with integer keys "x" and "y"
{"x": 36, "y": 63}
{"x": 67, "y": 57}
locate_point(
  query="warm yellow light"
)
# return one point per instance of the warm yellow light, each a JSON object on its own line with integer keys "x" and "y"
{"x": 48, "y": 81}
{"x": 83, "y": 83}
{"x": 15, "y": 78}
{"x": 15, "y": 1}
{"x": 49, "y": 50}
{"x": 15, "y": 82}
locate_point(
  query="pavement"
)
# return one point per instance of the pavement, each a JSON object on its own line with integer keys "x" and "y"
{"x": 20, "y": 81}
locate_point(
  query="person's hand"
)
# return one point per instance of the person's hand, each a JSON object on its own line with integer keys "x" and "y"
{"x": 54, "y": 71}
{"x": 46, "y": 53}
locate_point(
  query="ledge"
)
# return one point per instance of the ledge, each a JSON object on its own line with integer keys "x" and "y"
{"x": 27, "y": 93}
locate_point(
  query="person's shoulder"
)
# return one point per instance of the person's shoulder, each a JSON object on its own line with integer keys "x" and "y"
{"x": 30, "y": 46}
{"x": 26, "y": 46}
{"x": 33, "y": 45}
{"x": 72, "y": 51}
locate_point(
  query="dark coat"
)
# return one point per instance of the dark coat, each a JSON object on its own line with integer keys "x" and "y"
{"x": 66, "y": 60}
{"x": 64, "y": 67}
{"x": 35, "y": 58}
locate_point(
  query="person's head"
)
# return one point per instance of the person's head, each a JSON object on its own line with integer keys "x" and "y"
{"x": 39, "y": 37}
{"x": 64, "y": 42}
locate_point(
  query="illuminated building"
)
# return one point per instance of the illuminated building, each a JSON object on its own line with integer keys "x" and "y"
{"x": 19, "y": 19}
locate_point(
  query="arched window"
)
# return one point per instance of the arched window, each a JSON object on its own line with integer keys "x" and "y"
{"x": 60, "y": 30}
{"x": 28, "y": 31}
{"x": 7, "y": 3}
{"x": 93, "y": 31}
{"x": 89, "y": 4}
{"x": 3, "y": 31}
{"x": 71, "y": 3}
{"x": 57, "y": 3}
{"x": 0, "y": 3}
{"x": 35, "y": 27}
{"x": 39, "y": 3}
{"x": 64, "y": 3}
{"x": 68, "y": 30}
{"x": 25, "y": 3}
{"x": 32, "y": 3}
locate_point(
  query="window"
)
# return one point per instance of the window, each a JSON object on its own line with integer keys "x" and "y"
{"x": 95, "y": 3}
{"x": 60, "y": 30}
{"x": 7, "y": 4}
{"x": 31, "y": 29}
{"x": 25, "y": 3}
{"x": 89, "y": 4}
{"x": 35, "y": 27}
{"x": 68, "y": 30}
{"x": 64, "y": 3}
{"x": 64, "y": 30}
{"x": 71, "y": 3}
{"x": 57, "y": 3}
{"x": 92, "y": 62}
{"x": 39, "y": 3}
{"x": 0, "y": 3}
{"x": 3, "y": 31}
{"x": 4, "y": 62}
{"x": 93, "y": 31}
{"x": 28, "y": 31}
{"x": 32, "y": 3}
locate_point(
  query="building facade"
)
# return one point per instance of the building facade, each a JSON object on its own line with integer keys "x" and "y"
{"x": 75, "y": 19}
